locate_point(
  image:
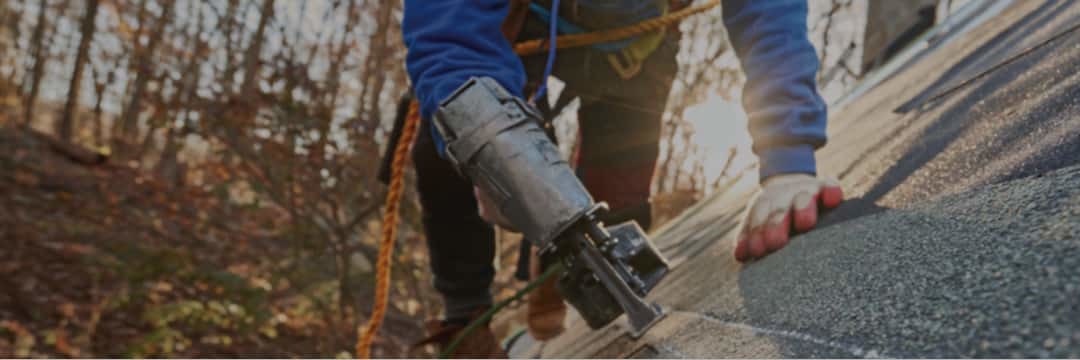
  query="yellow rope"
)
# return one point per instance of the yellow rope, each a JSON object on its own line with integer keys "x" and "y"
{"x": 531, "y": 47}
{"x": 397, "y": 168}
{"x": 389, "y": 234}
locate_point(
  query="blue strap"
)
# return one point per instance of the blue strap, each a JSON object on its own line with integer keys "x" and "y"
{"x": 552, "y": 45}
{"x": 566, "y": 27}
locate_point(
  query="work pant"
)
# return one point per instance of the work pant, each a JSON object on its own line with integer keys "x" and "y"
{"x": 619, "y": 131}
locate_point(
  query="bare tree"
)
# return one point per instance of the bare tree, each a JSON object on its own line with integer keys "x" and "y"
{"x": 252, "y": 101}
{"x": 86, "y": 29}
{"x": 249, "y": 86}
{"x": 376, "y": 63}
{"x": 10, "y": 17}
{"x": 228, "y": 29}
{"x": 144, "y": 71}
{"x": 101, "y": 81}
{"x": 695, "y": 80}
{"x": 38, "y": 53}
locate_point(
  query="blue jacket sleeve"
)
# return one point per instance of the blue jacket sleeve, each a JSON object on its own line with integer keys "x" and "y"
{"x": 449, "y": 41}
{"x": 787, "y": 115}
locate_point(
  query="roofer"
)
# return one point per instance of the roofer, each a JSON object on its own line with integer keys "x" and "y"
{"x": 623, "y": 87}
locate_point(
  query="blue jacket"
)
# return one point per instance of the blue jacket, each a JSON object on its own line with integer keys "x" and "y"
{"x": 450, "y": 41}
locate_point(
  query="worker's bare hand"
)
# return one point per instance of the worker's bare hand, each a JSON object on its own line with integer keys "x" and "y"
{"x": 490, "y": 212}
{"x": 787, "y": 204}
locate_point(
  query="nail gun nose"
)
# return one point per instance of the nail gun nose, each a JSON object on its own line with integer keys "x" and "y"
{"x": 622, "y": 262}
{"x": 607, "y": 243}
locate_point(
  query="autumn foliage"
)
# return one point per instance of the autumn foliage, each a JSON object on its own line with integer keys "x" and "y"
{"x": 189, "y": 178}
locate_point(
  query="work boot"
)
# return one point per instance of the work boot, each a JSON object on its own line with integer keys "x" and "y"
{"x": 546, "y": 309}
{"x": 480, "y": 344}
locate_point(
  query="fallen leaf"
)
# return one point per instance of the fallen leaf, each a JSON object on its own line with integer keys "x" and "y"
{"x": 26, "y": 178}
{"x": 24, "y": 340}
{"x": 67, "y": 309}
{"x": 163, "y": 286}
{"x": 77, "y": 249}
{"x": 63, "y": 346}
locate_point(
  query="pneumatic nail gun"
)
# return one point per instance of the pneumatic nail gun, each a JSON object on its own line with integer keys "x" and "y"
{"x": 495, "y": 140}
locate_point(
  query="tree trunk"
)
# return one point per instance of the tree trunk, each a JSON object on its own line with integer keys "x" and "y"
{"x": 10, "y": 20}
{"x": 726, "y": 171}
{"x": 249, "y": 88}
{"x": 99, "y": 97}
{"x": 665, "y": 164}
{"x": 346, "y": 301}
{"x": 66, "y": 122}
{"x": 326, "y": 115}
{"x": 144, "y": 72}
{"x": 168, "y": 165}
{"x": 374, "y": 74}
{"x": 228, "y": 25}
{"x": 688, "y": 154}
{"x": 116, "y": 132}
{"x": 160, "y": 115}
{"x": 37, "y": 47}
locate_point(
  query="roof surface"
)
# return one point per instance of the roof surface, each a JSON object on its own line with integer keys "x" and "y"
{"x": 961, "y": 236}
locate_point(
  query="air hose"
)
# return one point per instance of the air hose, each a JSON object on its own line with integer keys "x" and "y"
{"x": 487, "y": 315}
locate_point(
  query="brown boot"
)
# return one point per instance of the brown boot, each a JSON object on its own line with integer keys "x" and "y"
{"x": 546, "y": 309}
{"x": 480, "y": 344}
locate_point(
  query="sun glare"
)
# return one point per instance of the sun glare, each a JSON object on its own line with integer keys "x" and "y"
{"x": 719, "y": 127}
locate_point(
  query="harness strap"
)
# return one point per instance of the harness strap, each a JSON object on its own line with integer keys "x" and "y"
{"x": 515, "y": 19}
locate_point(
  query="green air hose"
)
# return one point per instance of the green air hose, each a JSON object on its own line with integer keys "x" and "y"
{"x": 486, "y": 317}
